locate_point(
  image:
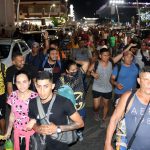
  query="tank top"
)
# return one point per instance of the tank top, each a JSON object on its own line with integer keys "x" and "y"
{"x": 102, "y": 84}
{"x": 132, "y": 118}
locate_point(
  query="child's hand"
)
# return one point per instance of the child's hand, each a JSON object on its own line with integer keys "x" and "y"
{"x": 6, "y": 136}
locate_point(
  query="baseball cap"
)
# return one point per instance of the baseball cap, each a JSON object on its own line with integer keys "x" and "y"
{"x": 35, "y": 44}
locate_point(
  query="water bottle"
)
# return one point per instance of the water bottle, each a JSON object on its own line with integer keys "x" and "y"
{"x": 121, "y": 139}
{"x": 8, "y": 145}
{"x": 123, "y": 144}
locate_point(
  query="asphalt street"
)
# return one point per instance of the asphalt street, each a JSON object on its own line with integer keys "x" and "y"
{"x": 94, "y": 135}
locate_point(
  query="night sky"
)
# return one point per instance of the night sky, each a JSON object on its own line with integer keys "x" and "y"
{"x": 87, "y": 8}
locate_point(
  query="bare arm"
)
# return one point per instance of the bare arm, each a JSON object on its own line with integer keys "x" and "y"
{"x": 84, "y": 65}
{"x": 10, "y": 125}
{"x": 115, "y": 83}
{"x": 9, "y": 88}
{"x": 76, "y": 124}
{"x": 90, "y": 68}
{"x": 52, "y": 128}
{"x": 46, "y": 47}
{"x": 119, "y": 56}
{"x": 117, "y": 115}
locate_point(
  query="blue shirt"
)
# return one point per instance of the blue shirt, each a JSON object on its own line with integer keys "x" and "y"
{"x": 127, "y": 77}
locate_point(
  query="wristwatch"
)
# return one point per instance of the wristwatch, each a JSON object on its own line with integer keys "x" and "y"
{"x": 58, "y": 129}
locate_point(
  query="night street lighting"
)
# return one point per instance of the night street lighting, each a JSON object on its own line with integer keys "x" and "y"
{"x": 51, "y": 6}
{"x": 138, "y": 9}
{"x": 116, "y": 3}
{"x": 18, "y": 10}
{"x": 66, "y": 8}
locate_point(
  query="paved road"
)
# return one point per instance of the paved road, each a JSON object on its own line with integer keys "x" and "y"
{"x": 94, "y": 136}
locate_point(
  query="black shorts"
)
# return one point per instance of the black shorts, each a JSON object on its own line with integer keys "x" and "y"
{"x": 2, "y": 106}
{"x": 104, "y": 95}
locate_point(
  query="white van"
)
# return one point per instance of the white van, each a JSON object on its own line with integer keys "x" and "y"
{"x": 10, "y": 46}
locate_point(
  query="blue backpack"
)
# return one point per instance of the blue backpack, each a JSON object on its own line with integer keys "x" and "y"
{"x": 66, "y": 91}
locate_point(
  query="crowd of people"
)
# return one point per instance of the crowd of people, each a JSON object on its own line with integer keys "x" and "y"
{"x": 116, "y": 65}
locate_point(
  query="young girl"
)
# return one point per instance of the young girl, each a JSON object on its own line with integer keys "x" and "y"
{"x": 19, "y": 100}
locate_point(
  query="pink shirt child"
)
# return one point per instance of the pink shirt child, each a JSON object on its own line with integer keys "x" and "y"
{"x": 20, "y": 109}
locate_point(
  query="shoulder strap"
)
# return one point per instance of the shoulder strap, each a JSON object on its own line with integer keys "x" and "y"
{"x": 41, "y": 112}
{"x": 119, "y": 68}
{"x": 129, "y": 99}
{"x": 59, "y": 63}
{"x": 96, "y": 65}
{"x": 51, "y": 105}
{"x": 44, "y": 61}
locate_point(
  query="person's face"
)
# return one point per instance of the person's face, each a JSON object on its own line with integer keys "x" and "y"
{"x": 105, "y": 56}
{"x": 81, "y": 44}
{"x": 44, "y": 88}
{"x": 103, "y": 43}
{"x": 133, "y": 50}
{"x": 19, "y": 62}
{"x": 53, "y": 55}
{"x": 144, "y": 81}
{"x": 22, "y": 83}
{"x": 143, "y": 46}
{"x": 35, "y": 49}
{"x": 128, "y": 59}
{"x": 72, "y": 70}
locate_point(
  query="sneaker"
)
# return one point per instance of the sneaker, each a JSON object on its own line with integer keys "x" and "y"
{"x": 80, "y": 136}
{"x": 96, "y": 117}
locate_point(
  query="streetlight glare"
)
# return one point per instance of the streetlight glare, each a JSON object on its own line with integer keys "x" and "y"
{"x": 53, "y": 5}
{"x": 116, "y": 1}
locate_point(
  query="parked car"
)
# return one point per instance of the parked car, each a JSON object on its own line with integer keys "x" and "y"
{"x": 10, "y": 46}
{"x": 32, "y": 36}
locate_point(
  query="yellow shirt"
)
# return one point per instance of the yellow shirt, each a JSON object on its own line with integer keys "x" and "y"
{"x": 2, "y": 84}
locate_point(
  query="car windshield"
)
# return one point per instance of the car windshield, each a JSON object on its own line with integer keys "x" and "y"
{"x": 4, "y": 51}
{"x": 51, "y": 32}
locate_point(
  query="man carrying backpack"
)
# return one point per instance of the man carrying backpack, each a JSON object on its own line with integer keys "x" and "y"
{"x": 124, "y": 75}
{"x": 36, "y": 56}
{"x": 74, "y": 77}
{"x": 136, "y": 113}
{"x": 61, "y": 108}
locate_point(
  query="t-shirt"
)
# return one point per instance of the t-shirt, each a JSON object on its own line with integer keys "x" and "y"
{"x": 35, "y": 60}
{"x": 12, "y": 70}
{"x": 102, "y": 84}
{"x": 77, "y": 84}
{"x": 61, "y": 108}
{"x": 112, "y": 41}
{"x": 127, "y": 77}
{"x": 55, "y": 69}
{"x": 20, "y": 109}
{"x": 132, "y": 118}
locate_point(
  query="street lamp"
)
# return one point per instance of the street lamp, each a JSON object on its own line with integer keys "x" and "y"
{"x": 18, "y": 9}
{"x": 51, "y": 6}
{"x": 66, "y": 8}
{"x": 138, "y": 9}
{"x": 116, "y": 3}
